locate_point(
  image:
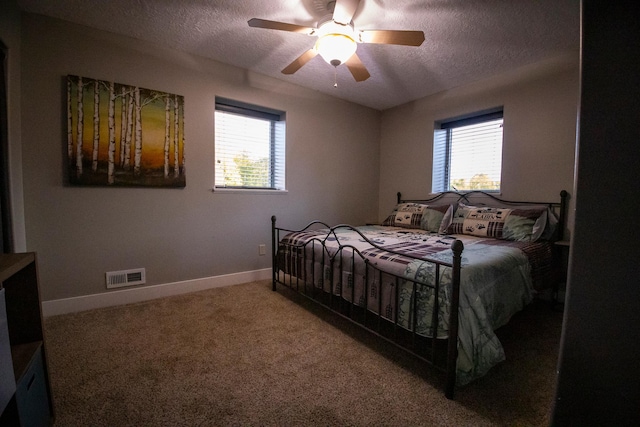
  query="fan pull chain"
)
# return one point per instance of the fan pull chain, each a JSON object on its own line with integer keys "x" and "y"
{"x": 335, "y": 76}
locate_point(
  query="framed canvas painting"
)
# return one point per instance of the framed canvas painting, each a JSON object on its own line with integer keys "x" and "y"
{"x": 121, "y": 135}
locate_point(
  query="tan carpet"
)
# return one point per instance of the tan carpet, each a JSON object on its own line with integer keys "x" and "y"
{"x": 244, "y": 355}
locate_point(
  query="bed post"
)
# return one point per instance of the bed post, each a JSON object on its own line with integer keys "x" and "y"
{"x": 562, "y": 215}
{"x": 399, "y": 196}
{"x": 274, "y": 268}
{"x": 452, "y": 350}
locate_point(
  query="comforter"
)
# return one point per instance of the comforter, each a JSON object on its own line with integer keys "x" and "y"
{"x": 497, "y": 280}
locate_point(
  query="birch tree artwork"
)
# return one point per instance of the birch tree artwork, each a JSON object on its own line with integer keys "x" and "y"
{"x": 132, "y": 137}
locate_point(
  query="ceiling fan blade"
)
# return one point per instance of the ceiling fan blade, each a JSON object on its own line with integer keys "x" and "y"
{"x": 403, "y": 37}
{"x": 300, "y": 61}
{"x": 357, "y": 68}
{"x": 283, "y": 26}
{"x": 344, "y": 10}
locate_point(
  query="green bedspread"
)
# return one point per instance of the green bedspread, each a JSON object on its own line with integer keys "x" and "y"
{"x": 495, "y": 284}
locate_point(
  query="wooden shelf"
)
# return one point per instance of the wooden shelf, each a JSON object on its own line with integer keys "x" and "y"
{"x": 10, "y": 264}
{"x": 32, "y": 402}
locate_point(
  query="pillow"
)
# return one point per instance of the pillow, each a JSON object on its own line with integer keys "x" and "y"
{"x": 408, "y": 215}
{"x": 546, "y": 221}
{"x": 416, "y": 215}
{"x": 520, "y": 224}
{"x": 438, "y": 218}
{"x": 546, "y": 224}
{"x": 525, "y": 225}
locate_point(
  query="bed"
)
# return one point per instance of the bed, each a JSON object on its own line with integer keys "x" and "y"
{"x": 453, "y": 265}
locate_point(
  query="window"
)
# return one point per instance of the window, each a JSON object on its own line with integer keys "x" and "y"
{"x": 249, "y": 146}
{"x": 467, "y": 153}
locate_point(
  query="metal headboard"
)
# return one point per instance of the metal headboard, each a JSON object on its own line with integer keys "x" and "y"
{"x": 558, "y": 208}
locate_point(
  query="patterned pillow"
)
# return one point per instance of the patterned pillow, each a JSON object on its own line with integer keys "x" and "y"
{"x": 408, "y": 215}
{"x": 524, "y": 225}
{"x": 416, "y": 215}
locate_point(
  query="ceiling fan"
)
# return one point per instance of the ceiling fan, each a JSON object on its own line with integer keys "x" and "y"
{"x": 337, "y": 38}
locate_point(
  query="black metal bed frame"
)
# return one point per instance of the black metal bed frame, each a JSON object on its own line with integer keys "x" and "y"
{"x": 438, "y": 352}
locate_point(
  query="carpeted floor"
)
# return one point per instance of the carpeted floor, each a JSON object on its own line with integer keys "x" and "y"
{"x": 244, "y": 355}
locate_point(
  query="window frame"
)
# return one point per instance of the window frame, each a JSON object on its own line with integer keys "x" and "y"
{"x": 441, "y": 172}
{"x": 277, "y": 144}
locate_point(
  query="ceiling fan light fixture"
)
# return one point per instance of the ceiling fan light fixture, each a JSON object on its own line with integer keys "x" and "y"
{"x": 336, "y": 42}
{"x": 337, "y": 39}
{"x": 336, "y": 48}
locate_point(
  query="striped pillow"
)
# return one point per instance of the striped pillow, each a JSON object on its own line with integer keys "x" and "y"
{"x": 416, "y": 215}
{"x": 524, "y": 225}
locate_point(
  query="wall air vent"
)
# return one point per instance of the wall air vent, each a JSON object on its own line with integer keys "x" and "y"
{"x": 118, "y": 279}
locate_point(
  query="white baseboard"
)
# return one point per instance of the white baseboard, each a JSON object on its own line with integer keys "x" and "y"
{"x": 131, "y": 295}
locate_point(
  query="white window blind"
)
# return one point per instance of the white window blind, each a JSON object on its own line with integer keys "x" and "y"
{"x": 467, "y": 153}
{"x": 249, "y": 147}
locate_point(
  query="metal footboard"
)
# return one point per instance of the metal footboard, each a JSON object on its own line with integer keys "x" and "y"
{"x": 318, "y": 273}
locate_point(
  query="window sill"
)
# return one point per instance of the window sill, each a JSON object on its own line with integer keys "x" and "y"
{"x": 492, "y": 192}
{"x": 247, "y": 191}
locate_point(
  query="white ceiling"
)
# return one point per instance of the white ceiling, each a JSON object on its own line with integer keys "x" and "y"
{"x": 465, "y": 40}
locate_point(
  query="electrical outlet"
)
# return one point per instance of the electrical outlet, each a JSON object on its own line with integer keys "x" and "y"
{"x": 262, "y": 249}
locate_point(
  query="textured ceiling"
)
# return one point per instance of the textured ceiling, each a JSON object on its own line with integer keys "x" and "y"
{"x": 465, "y": 40}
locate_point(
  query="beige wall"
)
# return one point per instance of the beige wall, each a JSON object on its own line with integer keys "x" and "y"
{"x": 540, "y": 112}
{"x": 344, "y": 162}
{"x": 80, "y": 233}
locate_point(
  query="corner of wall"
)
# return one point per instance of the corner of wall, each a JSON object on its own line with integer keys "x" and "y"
{"x": 10, "y": 33}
